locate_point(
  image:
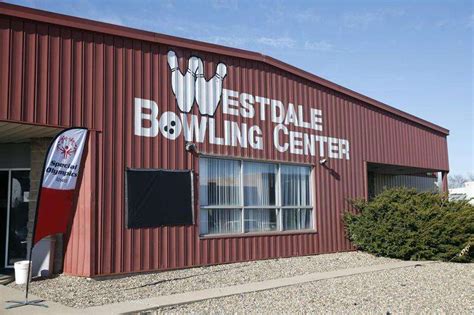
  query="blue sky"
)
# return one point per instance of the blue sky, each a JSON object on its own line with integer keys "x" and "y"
{"x": 416, "y": 56}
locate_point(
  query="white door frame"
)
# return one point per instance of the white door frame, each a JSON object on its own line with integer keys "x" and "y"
{"x": 9, "y": 170}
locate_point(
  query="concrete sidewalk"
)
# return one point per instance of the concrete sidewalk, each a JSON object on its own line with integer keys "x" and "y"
{"x": 195, "y": 296}
{"x": 7, "y": 294}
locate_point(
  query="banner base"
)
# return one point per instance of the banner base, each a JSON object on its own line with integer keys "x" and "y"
{"x": 25, "y": 303}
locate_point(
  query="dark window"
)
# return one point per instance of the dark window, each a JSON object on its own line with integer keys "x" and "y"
{"x": 158, "y": 198}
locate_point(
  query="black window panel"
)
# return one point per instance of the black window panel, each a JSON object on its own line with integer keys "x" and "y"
{"x": 158, "y": 198}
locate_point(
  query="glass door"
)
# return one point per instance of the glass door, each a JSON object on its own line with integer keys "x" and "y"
{"x": 17, "y": 216}
{"x": 4, "y": 176}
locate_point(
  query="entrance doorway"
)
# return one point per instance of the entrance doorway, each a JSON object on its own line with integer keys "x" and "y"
{"x": 384, "y": 176}
{"x": 14, "y": 203}
{"x": 22, "y": 148}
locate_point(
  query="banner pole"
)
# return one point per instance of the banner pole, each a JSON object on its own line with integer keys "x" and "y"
{"x": 35, "y": 217}
{"x": 30, "y": 262}
{"x": 35, "y": 221}
{"x": 28, "y": 279}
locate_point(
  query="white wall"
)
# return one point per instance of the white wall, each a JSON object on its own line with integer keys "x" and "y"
{"x": 466, "y": 192}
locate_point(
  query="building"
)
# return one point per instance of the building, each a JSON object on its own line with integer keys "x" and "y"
{"x": 463, "y": 193}
{"x": 272, "y": 153}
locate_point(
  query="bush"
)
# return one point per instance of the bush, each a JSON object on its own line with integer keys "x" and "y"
{"x": 403, "y": 223}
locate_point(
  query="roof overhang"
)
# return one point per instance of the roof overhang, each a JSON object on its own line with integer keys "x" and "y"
{"x": 18, "y": 133}
{"x": 389, "y": 169}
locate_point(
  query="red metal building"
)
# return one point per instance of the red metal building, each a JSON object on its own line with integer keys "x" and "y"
{"x": 278, "y": 151}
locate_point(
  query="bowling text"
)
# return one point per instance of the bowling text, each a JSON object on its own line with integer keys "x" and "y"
{"x": 247, "y": 121}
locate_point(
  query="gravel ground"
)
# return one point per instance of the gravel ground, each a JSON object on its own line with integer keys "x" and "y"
{"x": 441, "y": 288}
{"x": 82, "y": 292}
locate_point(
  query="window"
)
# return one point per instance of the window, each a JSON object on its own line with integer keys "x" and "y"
{"x": 220, "y": 193}
{"x": 244, "y": 196}
{"x": 295, "y": 197}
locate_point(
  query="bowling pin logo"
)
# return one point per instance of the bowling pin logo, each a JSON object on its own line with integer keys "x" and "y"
{"x": 208, "y": 93}
{"x": 194, "y": 86}
{"x": 183, "y": 85}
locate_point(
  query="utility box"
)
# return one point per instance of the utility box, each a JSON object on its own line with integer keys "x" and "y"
{"x": 43, "y": 257}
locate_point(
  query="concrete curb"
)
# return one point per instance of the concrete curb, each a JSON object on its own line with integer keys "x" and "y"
{"x": 196, "y": 296}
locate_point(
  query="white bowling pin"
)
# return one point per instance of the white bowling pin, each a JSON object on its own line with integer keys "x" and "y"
{"x": 183, "y": 85}
{"x": 208, "y": 93}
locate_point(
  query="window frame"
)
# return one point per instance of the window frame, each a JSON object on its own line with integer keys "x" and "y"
{"x": 279, "y": 208}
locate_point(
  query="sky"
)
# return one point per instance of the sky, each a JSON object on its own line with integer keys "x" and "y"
{"x": 413, "y": 55}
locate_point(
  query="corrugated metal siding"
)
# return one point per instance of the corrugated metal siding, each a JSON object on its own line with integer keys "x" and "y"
{"x": 59, "y": 76}
{"x": 78, "y": 254}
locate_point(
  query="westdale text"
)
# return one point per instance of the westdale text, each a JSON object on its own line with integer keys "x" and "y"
{"x": 197, "y": 128}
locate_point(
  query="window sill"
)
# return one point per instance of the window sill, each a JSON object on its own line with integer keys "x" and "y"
{"x": 254, "y": 234}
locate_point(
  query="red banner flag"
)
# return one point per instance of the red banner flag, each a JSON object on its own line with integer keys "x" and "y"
{"x": 61, "y": 172}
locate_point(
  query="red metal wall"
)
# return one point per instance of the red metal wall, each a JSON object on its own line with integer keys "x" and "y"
{"x": 72, "y": 74}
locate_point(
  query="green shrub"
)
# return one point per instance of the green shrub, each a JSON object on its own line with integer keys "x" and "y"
{"x": 403, "y": 223}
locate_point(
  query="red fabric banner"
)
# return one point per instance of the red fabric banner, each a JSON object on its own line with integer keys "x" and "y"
{"x": 62, "y": 169}
{"x": 56, "y": 210}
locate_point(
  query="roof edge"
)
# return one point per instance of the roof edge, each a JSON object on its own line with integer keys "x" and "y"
{"x": 123, "y": 31}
